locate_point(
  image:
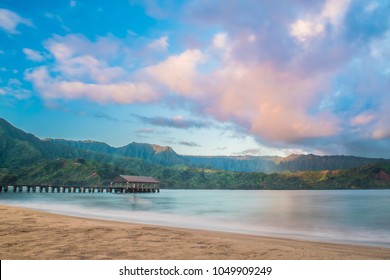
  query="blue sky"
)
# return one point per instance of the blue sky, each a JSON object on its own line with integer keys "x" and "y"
{"x": 204, "y": 77}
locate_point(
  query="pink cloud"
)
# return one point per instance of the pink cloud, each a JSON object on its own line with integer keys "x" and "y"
{"x": 269, "y": 103}
{"x": 273, "y": 104}
{"x": 261, "y": 97}
{"x": 362, "y": 119}
{"x": 381, "y": 133}
{"x": 381, "y": 128}
{"x": 178, "y": 72}
{"x": 267, "y": 69}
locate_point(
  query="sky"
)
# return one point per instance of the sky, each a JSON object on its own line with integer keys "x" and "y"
{"x": 223, "y": 77}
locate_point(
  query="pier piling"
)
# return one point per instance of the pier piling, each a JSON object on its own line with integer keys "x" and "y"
{"x": 121, "y": 184}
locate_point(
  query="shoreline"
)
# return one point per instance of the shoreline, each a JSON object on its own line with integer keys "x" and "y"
{"x": 37, "y": 235}
{"x": 274, "y": 235}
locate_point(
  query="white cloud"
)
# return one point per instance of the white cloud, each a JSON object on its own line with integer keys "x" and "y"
{"x": 61, "y": 51}
{"x": 313, "y": 25}
{"x": 121, "y": 92}
{"x": 33, "y": 55}
{"x": 305, "y": 29}
{"x": 220, "y": 40}
{"x": 223, "y": 46}
{"x": 14, "y": 88}
{"x": 161, "y": 43}
{"x": 73, "y": 45}
{"x": 131, "y": 32}
{"x": 380, "y": 51}
{"x": 89, "y": 68}
{"x": 371, "y": 7}
{"x": 77, "y": 58}
{"x": 72, "y": 3}
{"x": 10, "y": 20}
{"x": 81, "y": 70}
{"x": 334, "y": 10}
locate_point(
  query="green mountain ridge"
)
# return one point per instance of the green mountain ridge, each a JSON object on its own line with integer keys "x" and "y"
{"x": 154, "y": 154}
{"x": 166, "y": 156}
{"x": 25, "y": 158}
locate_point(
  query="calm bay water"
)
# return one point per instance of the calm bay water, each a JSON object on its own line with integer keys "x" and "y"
{"x": 347, "y": 216}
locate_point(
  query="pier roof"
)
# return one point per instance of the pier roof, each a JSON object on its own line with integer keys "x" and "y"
{"x": 135, "y": 179}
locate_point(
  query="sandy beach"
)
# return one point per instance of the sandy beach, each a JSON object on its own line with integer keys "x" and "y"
{"x": 30, "y": 234}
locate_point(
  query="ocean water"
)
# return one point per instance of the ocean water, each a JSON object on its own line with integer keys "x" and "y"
{"x": 341, "y": 216}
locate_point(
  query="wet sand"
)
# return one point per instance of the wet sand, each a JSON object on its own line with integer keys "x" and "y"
{"x": 34, "y": 235}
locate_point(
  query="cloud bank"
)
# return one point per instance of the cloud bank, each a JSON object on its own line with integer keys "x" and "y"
{"x": 312, "y": 76}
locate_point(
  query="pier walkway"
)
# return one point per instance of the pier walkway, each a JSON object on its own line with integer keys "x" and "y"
{"x": 121, "y": 184}
{"x": 78, "y": 189}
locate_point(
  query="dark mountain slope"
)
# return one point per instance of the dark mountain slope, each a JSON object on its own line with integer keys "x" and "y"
{"x": 234, "y": 163}
{"x": 18, "y": 148}
{"x": 154, "y": 154}
{"x": 166, "y": 156}
{"x": 314, "y": 162}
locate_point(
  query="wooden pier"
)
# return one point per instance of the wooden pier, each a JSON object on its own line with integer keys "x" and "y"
{"x": 121, "y": 184}
{"x": 133, "y": 184}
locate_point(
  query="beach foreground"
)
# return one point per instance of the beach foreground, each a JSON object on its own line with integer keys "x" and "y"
{"x": 30, "y": 234}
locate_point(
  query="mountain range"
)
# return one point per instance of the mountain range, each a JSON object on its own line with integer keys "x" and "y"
{"x": 23, "y": 157}
{"x": 166, "y": 156}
